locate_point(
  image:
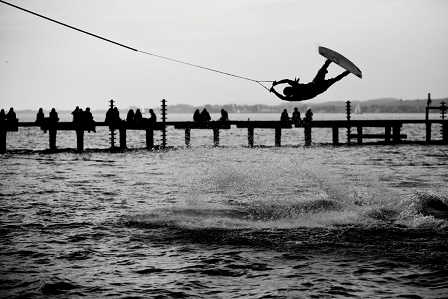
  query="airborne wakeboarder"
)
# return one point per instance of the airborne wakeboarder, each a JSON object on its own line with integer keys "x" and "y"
{"x": 297, "y": 92}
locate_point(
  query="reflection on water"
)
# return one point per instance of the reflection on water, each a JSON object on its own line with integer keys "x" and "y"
{"x": 224, "y": 222}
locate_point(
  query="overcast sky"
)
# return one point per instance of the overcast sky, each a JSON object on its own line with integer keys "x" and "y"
{"x": 400, "y": 46}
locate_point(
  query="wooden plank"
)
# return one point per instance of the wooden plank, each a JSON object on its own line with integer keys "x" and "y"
{"x": 264, "y": 124}
{"x": 247, "y": 124}
{"x": 144, "y": 126}
{"x": 202, "y": 125}
{"x": 375, "y": 136}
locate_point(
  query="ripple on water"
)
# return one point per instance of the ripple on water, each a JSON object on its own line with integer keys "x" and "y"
{"x": 205, "y": 222}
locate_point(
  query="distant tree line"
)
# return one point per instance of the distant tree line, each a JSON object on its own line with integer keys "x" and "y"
{"x": 387, "y": 105}
{"x": 339, "y": 107}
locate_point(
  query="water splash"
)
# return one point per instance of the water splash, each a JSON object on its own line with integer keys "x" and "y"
{"x": 229, "y": 189}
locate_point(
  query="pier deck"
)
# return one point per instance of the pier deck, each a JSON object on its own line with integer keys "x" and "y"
{"x": 392, "y": 129}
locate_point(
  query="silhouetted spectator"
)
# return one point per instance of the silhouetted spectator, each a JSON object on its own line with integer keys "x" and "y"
{"x": 138, "y": 116}
{"x": 76, "y": 115}
{"x": 88, "y": 119}
{"x": 40, "y": 116}
{"x": 296, "y": 116}
{"x": 284, "y": 117}
{"x": 205, "y": 116}
{"x": 11, "y": 116}
{"x": 116, "y": 115}
{"x": 429, "y": 100}
{"x": 2, "y": 116}
{"x": 109, "y": 116}
{"x": 308, "y": 116}
{"x": 197, "y": 115}
{"x": 130, "y": 116}
{"x": 153, "y": 117}
{"x": 53, "y": 116}
{"x": 224, "y": 115}
{"x": 80, "y": 116}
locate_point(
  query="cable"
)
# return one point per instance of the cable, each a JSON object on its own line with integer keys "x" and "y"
{"x": 124, "y": 46}
{"x": 205, "y": 68}
{"x": 74, "y": 28}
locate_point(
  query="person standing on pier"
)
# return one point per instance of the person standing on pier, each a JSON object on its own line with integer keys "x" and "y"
{"x": 130, "y": 116}
{"x": 197, "y": 115}
{"x": 284, "y": 117}
{"x": 296, "y": 116}
{"x": 138, "y": 116}
{"x": 205, "y": 116}
{"x": 40, "y": 116}
{"x": 116, "y": 115}
{"x": 308, "y": 116}
{"x": 54, "y": 115}
{"x": 88, "y": 119}
{"x": 429, "y": 100}
{"x": 2, "y": 116}
{"x": 11, "y": 116}
{"x": 224, "y": 115}
{"x": 80, "y": 116}
{"x": 297, "y": 92}
{"x": 75, "y": 114}
{"x": 153, "y": 117}
{"x": 109, "y": 113}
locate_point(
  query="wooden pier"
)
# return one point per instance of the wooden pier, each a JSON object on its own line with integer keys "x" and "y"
{"x": 392, "y": 129}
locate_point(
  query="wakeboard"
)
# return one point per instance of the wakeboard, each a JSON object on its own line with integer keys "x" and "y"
{"x": 340, "y": 60}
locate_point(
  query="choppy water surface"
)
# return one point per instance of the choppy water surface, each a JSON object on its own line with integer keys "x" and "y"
{"x": 228, "y": 222}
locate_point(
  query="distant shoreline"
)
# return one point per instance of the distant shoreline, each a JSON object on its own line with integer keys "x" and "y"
{"x": 385, "y": 105}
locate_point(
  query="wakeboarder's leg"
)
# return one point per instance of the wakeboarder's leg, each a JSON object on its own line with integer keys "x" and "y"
{"x": 327, "y": 83}
{"x": 339, "y": 77}
{"x": 344, "y": 74}
{"x": 320, "y": 77}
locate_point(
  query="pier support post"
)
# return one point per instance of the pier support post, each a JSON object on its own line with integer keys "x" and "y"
{"x": 348, "y": 113}
{"x": 3, "y": 134}
{"x": 250, "y": 136}
{"x": 112, "y": 131}
{"x": 387, "y": 134}
{"x": 187, "y": 136}
{"x": 428, "y": 132}
{"x": 308, "y": 137}
{"x": 122, "y": 138}
{"x": 445, "y": 132}
{"x": 396, "y": 134}
{"x": 359, "y": 131}
{"x": 164, "y": 113}
{"x": 278, "y": 136}
{"x": 149, "y": 138}
{"x": 335, "y": 135}
{"x": 215, "y": 137}
{"x": 52, "y": 134}
{"x": 80, "y": 140}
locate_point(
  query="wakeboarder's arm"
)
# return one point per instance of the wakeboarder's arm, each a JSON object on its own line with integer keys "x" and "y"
{"x": 277, "y": 94}
{"x": 290, "y": 82}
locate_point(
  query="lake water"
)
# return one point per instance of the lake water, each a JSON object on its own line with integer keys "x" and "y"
{"x": 225, "y": 222}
